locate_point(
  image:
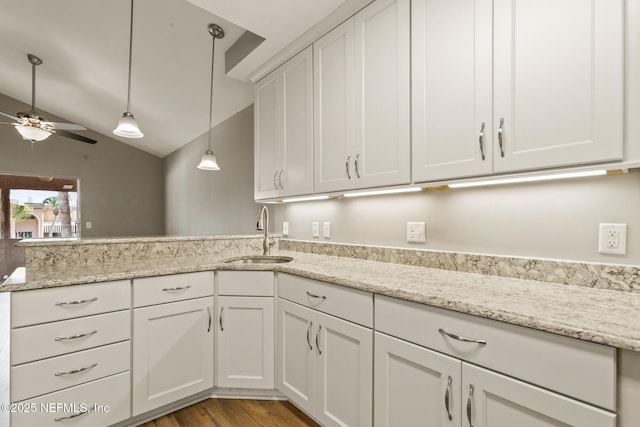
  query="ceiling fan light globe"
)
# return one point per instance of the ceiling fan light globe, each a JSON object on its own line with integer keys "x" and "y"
{"x": 208, "y": 162}
{"x": 32, "y": 133}
{"x": 128, "y": 127}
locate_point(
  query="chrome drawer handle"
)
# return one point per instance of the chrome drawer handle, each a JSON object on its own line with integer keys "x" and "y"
{"x": 71, "y": 416}
{"x": 500, "y": 131}
{"x": 179, "y": 288}
{"x": 209, "y": 312}
{"x": 469, "y": 405}
{"x": 316, "y": 296}
{"x": 309, "y": 335}
{"x": 481, "y": 139}
{"x": 75, "y": 337}
{"x": 280, "y": 179}
{"x": 347, "y": 166}
{"x": 459, "y": 338}
{"x": 318, "y": 340}
{"x": 80, "y": 301}
{"x": 446, "y": 398}
{"x": 357, "y": 161}
{"x": 222, "y": 319}
{"x": 76, "y": 371}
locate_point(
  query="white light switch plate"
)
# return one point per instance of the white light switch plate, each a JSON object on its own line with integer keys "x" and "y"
{"x": 326, "y": 230}
{"x": 315, "y": 229}
{"x": 285, "y": 228}
{"x": 88, "y": 225}
{"x": 416, "y": 232}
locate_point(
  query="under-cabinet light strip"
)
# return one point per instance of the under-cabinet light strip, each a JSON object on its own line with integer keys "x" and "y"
{"x": 304, "y": 199}
{"x": 379, "y": 192}
{"x": 528, "y": 179}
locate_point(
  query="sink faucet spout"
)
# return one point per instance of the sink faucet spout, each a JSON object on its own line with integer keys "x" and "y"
{"x": 263, "y": 225}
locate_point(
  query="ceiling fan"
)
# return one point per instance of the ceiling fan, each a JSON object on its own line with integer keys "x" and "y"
{"x": 34, "y": 127}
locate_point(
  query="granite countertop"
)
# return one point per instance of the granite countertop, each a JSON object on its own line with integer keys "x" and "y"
{"x": 602, "y": 316}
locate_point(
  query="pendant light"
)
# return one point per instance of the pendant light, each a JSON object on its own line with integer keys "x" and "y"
{"x": 127, "y": 126}
{"x": 208, "y": 161}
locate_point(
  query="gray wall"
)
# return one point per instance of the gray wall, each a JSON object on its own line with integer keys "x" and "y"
{"x": 542, "y": 220}
{"x": 121, "y": 187}
{"x": 213, "y": 202}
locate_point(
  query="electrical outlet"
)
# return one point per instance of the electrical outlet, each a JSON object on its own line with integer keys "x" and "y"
{"x": 326, "y": 230}
{"x": 416, "y": 232}
{"x": 612, "y": 239}
{"x": 315, "y": 229}
{"x": 285, "y": 228}
{"x": 88, "y": 225}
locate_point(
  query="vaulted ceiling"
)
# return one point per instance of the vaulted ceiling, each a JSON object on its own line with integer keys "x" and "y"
{"x": 84, "y": 45}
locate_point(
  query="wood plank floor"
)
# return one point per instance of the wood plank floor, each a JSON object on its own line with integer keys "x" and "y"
{"x": 235, "y": 413}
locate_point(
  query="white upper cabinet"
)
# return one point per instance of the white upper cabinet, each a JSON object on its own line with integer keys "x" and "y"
{"x": 558, "y": 70}
{"x": 451, "y": 88}
{"x": 544, "y": 90}
{"x": 283, "y": 121}
{"x": 361, "y": 95}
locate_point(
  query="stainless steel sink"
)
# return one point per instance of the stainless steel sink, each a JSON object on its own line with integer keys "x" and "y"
{"x": 260, "y": 259}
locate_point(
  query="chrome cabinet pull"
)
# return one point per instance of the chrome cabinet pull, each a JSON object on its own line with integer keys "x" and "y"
{"x": 356, "y": 161}
{"x": 221, "y": 319}
{"x": 446, "y": 398}
{"x": 275, "y": 174}
{"x": 347, "y": 166}
{"x": 459, "y": 338}
{"x": 500, "y": 137}
{"x": 318, "y": 340}
{"x": 179, "y": 288}
{"x": 76, "y": 371}
{"x": 316, "y": 296}
{"x": 80, "y": 301}
{"x": 209, "y": 312}
{"x": 481, "y": 139}
{"x": 309, "y": 335}
{"x": 280, "y": 179}
{"x": 71, "y": 416}
{"x": 75, "y": 337}
{"x": 469, "y": 405}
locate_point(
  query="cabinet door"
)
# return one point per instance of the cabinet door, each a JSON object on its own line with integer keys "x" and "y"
{"x": 451, "y": 88}
{"x": 172, "y": 352}
{"x": 415, "y": 386}
{"x": 558, "y": 70}
{"x": 494, "y": 400}
{"x": 296, "y": 355}
{"x": 245, "y": 342}
{"x": 382, "y": 147}
{"x": 296, "y": 88}
{"x": 333, "y": 63}
{"x": 344, "y": 373}
{"x": 266, "y": 136}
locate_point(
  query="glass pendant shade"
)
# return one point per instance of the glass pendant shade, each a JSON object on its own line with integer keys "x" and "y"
{"x": 128, "y": 127}
{"x": 209, "y": 162}
{"x": 32, "y": 133}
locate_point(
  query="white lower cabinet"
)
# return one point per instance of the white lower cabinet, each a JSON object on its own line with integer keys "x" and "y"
{"x": 325, "y": 365}
{"x": 246, "y": 336}
{"x": 172, "y": 352}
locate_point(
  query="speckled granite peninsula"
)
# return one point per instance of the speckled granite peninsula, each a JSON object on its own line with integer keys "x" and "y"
{"x": 603, "y": 309}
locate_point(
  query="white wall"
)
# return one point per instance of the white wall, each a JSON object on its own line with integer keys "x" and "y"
{"x": 213, "y": 202}
{"x": 556, "y": 220}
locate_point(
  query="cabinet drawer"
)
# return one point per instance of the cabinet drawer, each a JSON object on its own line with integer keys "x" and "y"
{"x": 38, "y": 342}
{"x": 349, "y": 304}
{"x": 580, "y": 369}
{"x": 176, "y": 287}
{"x": 48, "y": 305}
{"x": 246, "y": 283}
{"x": 107, "y": 401}
{"x": 49, "y": 375}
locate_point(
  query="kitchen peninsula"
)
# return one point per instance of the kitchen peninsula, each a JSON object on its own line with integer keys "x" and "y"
{"x": 585, "y": 306}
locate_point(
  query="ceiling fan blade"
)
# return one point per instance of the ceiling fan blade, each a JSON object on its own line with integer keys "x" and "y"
{"x": 9, "y": 115}
{"x": 67, "y": 126}
{"x": 75, "y": 136}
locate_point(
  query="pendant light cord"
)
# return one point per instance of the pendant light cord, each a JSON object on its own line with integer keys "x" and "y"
{"x": 130, "y": 56}
{"x": 213, "y": 51}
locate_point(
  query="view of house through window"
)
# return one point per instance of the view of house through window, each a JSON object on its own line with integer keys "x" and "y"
{"x": 33, "y": 207}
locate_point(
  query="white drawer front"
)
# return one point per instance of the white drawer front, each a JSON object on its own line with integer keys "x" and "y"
{"x": 580, "y": 369}
{"x": 175, "y": 287}
{"x": 38, "y": 342}
{"x": 107, "y": 400}
{"x": 349, "y": 304}
{"x": 48, "y": 305}
{"x": 49, "y": 375}
{"x": 246, "y": 283}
